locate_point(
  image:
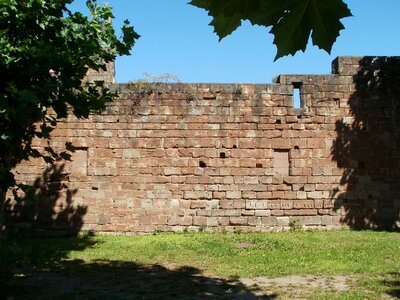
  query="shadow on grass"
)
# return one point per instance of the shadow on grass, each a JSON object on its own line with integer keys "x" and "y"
{"x": 44, "y": 272}
{"x": 393, "y": 283}
{"x": 125, "y": 280}
{"x": 20, "y": 254}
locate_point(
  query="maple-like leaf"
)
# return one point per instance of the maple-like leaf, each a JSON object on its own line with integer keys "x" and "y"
{"x": 292, "y": 22}
{"x": 227, "y": 15}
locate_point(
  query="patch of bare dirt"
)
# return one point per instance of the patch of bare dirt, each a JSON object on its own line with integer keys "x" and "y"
{"x": 298, "y": 286}
{"x": 339, "y": 283}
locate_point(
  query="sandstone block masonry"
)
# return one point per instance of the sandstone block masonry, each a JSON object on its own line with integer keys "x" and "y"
{"x": 172, "y": 157}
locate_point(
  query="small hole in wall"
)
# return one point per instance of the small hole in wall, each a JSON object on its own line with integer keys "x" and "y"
{"x": 259, "y": 165}
{"x": 296, "y": 148}
{"x": 202, "y": 164}
{"x": 234, "y": 146}
{"x": 278, "y": 121}
{"x": 296, "y": 95}
{"x": 222, "y": 155}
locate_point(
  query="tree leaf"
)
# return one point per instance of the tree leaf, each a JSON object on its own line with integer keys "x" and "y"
{"x": 227, "y": 15}
{"x": 325, "y": 19}
{"x": 224, "y": 26}
{"x": 291, "y": 21}
{"x": 292, "y": 30}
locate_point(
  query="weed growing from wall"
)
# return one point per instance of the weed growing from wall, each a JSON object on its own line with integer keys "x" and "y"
{"x": 155, "y": 85}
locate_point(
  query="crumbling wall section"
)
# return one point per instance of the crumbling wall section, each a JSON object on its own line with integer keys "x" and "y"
{"x": 176, "y": 157}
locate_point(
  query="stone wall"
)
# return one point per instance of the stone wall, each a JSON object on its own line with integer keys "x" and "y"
{"x": 172, "y": 157}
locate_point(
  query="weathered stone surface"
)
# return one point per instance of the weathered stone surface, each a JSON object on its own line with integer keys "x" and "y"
{"x": 227, "y": 155}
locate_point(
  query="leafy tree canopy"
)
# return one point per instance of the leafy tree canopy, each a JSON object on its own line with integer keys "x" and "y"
{"x": 292, "y": 22}
{"x": 45, "y": 52}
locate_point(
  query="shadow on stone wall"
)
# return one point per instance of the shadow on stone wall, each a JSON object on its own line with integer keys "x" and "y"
{"x": 48, "y": 209}
{"x": 367, "y": 147}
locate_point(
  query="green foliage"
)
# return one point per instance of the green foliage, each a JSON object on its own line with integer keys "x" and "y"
{"x": 295, "y": 225}
{"x": 292, "y": 22}
{"x": 272, "y": 254}
{"x": 367, "y": 260}
{"x": 45, "y": 52}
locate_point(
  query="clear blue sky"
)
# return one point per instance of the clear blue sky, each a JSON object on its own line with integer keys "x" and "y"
{"x": 176, "y": 39}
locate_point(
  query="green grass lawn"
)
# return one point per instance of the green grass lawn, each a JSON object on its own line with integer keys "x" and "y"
{"x": 201, "y": 265}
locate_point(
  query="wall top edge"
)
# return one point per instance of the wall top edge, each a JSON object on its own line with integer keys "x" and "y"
{"x": 341, "y": 66}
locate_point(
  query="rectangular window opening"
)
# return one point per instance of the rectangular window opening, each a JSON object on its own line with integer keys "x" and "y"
{"x": 297, "y": 95}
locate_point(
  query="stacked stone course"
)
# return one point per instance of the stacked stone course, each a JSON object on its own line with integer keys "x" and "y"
{"x": 222, "y": 156}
